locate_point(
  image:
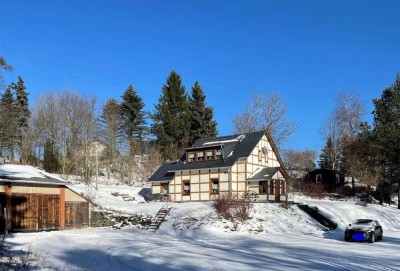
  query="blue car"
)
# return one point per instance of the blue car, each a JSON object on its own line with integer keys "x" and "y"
{"x": 363, "y": 230}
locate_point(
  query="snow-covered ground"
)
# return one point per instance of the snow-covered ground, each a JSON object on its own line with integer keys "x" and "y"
{"x": 195, "y": 238}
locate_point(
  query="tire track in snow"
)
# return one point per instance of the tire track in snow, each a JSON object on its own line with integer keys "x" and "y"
{"x": 327, "y": 260}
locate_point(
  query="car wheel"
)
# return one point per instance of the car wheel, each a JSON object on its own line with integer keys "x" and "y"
{"x": 372, "y": 238}
{"x": 347, "y": 239}
{"x": 380, "y": 238}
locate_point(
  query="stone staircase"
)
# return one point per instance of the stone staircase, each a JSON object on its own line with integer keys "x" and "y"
{"x": 159, "y": 218}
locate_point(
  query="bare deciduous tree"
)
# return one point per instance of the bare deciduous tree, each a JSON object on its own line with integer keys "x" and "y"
{"x": 267, "y": 112}
{"x": 68, "y": 121}
{"x": 298, "y": 163}
{"x": 348, "y": 113}
{"x": 332, "y": 134}
{"x": 4, "y": 66}
{"x": 341, "y": 128}
{"x": 110, "y": 123}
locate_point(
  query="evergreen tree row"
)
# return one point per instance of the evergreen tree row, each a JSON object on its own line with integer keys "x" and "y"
{"x": 180, "y": 119}
{"x": 14, "y": 119}
{"x": 62, "y": 125}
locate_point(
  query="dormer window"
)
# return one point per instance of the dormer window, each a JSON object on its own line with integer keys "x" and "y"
{"x": 218, "y": 154}
{"x": 191, "y": 157}
{"x": 200, "y": 156}
{"x": 204, "y": 155}
{"x": 209, "y": 155}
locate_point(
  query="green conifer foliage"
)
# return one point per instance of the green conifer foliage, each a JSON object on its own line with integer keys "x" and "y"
{"x": 22, "y": 112}
{"x": 202, "y": 123}
{"x": 8, "y": 124}
{"x": 171, "y": 120}
{"x": 326, "y": 157}
{"x": 133, "y": 118}
{"x": 387, "y": 127}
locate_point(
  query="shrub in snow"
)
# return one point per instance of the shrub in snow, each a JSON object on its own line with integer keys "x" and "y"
{"x": 222, "y": 205}
{"x": 313, "y": 190}
{"x": 232, "y": 208}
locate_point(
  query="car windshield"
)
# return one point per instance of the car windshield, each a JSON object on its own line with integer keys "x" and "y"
{"x": 363, "y": 222}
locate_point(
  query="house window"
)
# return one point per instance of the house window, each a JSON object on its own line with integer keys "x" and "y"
{"x": 214, "y": 186}
{"x": 282, "y": 188}
{"x": 209, "y": 155}
{"x": 259, "y": 156}
{"x": 266, "y": 156}
{"x": 318, "y": 178}
{"x": 271, "y": 187}
{"x": 191, "y": 157}
{"x": 337, "y": 178}
{"x": 200, "y": 156}
{"x": 164, "y": 188}
{"x": 218, "y": 154}
{"x": 186, "y": 188}
{"x": 263, "y": 187}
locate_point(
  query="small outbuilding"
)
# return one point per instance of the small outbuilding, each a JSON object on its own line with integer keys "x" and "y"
{"x": 328, "y": 179}
{"x": 34, "y": 200}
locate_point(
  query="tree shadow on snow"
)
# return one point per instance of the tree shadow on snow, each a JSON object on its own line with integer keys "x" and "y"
{"x": 111, "y": 260}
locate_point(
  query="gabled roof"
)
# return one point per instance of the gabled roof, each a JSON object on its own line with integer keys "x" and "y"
{"x": 233, "y": 148}
{"x": 11, "y": 173}
{"x": 162, "y": 174}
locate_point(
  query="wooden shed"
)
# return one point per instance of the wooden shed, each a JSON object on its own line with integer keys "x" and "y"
{"x": 34, "y": 200}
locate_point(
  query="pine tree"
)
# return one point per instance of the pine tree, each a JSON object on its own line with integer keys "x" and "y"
{"x": 8, "y": 123}
{"x": 22, "y": 112}
{"x": 202, "y": 124}
{"x": 326, "y": 159}
{"x": 387, "y": 127}
{"x": 133, "y": 118}
{"x": 171, "y": 118}
{"x": 21, "y": 104}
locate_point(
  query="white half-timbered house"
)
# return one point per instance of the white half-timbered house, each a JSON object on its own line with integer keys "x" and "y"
{"x": 239, "y": 165}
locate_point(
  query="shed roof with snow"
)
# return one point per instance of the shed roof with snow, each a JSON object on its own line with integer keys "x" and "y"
{"x": 12, "y": 173}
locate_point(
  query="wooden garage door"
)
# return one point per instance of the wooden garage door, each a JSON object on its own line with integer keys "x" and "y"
{"x": 35, "y": 212}
{"x": 76, "y": 215}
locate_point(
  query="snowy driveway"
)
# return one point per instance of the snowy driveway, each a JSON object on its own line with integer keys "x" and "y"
{"x": 134, "y": 249}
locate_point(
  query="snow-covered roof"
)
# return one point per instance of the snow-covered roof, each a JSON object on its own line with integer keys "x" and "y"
{"x": 263, "y": 174}
{"x": 27, "y": 174}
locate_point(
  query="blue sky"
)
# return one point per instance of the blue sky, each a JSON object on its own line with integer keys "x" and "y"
{"x": 308, "y": 51}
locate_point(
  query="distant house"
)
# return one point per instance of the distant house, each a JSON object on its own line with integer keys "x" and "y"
{"x": 328, "y": 179}
{"x": 34, "y": 200}
{"x": 96, "y": 148}
{"x": 235, "y": 164}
